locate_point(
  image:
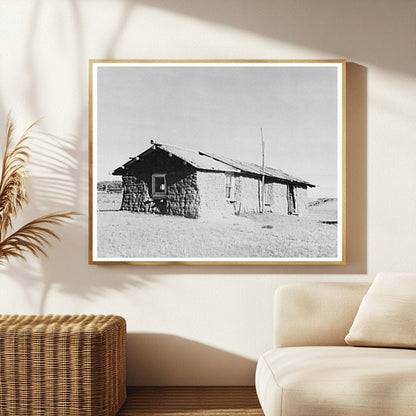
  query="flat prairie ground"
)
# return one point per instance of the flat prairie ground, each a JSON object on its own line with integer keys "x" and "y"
{"x": 122, "y": 234}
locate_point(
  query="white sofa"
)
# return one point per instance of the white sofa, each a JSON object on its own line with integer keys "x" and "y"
{"x": 311, "y": 371}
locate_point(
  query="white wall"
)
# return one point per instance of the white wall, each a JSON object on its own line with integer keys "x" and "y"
{"x": 189, "y": 324}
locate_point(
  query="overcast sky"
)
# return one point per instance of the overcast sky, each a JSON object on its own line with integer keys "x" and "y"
{"x": 221, "y": 110}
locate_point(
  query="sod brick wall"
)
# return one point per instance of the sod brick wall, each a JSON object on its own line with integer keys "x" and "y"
{"x": 302, "y": 201}
{"x": 276, "y": 198}
{"x": 136, "y": 193}
{"x": 183, "y": 196}
{"x": 195, "y": 194}
{"x": 211, "y": 187}
{"x": 247, "y": 194}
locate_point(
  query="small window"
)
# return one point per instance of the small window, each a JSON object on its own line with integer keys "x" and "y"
{"x": 159, "y": 185}
{"x": 229, "y": 186}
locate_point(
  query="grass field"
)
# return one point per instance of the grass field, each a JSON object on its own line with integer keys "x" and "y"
{"x": 130, "y": 235}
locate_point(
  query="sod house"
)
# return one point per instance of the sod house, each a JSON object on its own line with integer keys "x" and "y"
{"x": 170, "y": 180}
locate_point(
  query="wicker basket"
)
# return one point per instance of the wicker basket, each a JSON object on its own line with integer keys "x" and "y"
{"x": 54, "y": 365}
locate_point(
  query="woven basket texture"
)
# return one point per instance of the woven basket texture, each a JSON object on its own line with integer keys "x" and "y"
{"x": 56, "y": 365}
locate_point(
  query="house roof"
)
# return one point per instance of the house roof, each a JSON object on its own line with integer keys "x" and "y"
{"x": 213, "y": 162}
{"x": 197, "y": 159}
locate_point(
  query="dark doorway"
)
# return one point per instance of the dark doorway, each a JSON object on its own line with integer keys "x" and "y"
{"x": 291, "y": 200}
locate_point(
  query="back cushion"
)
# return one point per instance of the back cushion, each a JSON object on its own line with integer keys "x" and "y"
{"x": 315, "y": 313}
{"x": 387, "y": 314}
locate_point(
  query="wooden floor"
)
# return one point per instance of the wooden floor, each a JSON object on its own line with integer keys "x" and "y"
{"x": 195, "y": 401}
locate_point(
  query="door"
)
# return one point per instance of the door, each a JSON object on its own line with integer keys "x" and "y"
{"x": 291, "y": 200}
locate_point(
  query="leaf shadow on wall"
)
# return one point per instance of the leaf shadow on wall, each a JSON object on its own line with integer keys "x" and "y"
{"x": 164, "y": 359}
{"x": 59, "y": 181}
{"x": 53, "y": 186}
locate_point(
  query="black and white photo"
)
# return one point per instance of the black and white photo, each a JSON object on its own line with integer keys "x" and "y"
{"x": 217, "y": 162}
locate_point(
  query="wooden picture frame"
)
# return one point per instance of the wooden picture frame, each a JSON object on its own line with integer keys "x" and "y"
{"x": 217, "y": 162}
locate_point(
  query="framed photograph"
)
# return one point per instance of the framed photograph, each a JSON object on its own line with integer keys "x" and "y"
{"x": 217, "y": 162}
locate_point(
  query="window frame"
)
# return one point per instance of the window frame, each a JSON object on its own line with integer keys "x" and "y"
{"x": 157, "y": 194}
{"x": 230, "y": 185}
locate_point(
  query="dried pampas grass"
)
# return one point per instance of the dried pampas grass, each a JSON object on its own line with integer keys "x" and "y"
{"x": 34, "y": 236}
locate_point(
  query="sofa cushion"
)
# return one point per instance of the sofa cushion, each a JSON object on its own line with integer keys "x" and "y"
{"x": 315, "y": 314}
{"x": 342, "y": 381}
{"x": 387, "y": 314}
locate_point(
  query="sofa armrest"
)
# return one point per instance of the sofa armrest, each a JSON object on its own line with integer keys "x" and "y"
{"x": 315, "y": 313}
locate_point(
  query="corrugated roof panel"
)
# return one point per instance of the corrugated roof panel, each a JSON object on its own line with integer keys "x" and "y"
{"x": 196, "y": 159}
{"x": 216, "y": 163}
{"x": 257, "y": 170}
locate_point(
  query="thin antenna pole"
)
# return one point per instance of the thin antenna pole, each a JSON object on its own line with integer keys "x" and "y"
{"x": 262, "y": 171}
